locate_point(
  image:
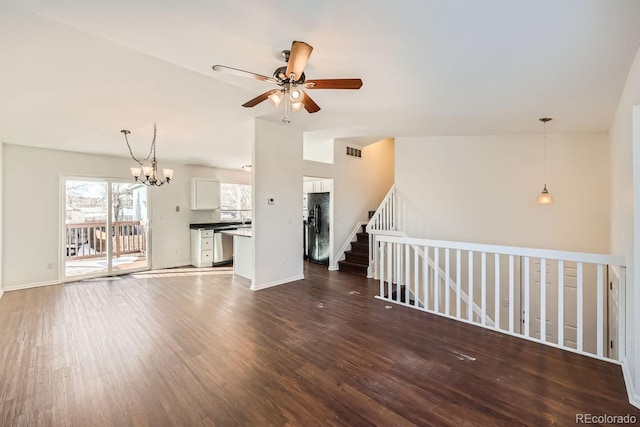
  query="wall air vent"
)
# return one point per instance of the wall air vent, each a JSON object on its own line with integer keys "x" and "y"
{"x": 355, "y": 152}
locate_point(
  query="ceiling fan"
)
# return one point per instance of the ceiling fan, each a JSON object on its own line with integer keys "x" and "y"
{"x": 291, "y": 79}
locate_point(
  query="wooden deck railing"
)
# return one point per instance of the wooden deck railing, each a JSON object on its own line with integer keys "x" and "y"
{"x": 89, "y": 239}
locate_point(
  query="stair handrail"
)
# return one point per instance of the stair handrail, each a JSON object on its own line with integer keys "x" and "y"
{"x": 384, "y": 218}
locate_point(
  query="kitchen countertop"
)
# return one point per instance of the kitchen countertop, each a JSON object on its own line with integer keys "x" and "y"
{"x": 242, "y": 232}
{"x": 220, "y": 225}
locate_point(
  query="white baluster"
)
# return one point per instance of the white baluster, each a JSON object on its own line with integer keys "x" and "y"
{"x": 458, "y": 278}
{"x": 543, "y": 299}
{"x": 416, "y": 275}
{"x": 496, "y": 293}
{"x": 526, "y": 315}
{"x": 579, "y": 305}
{"x": 483, "y": 287}
{"x": 407, "y": 274}
{"x": 599, "y": 309}
{"x": 470, "y": 302}
{"x": 389, "y": 269}
{"x": 512, "y": 306}
{"x": 446, "y": 281}
{"x": 436, "y": 279}
{"x": 398, "y": 270}
{"x": 425, "y": 274}
{"x": 381, "y": 263}
{"x": 561, "y": 303}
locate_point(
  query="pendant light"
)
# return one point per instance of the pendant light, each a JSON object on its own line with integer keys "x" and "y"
{"x": 544, "y": 198}
{"x": 150, "y": 173}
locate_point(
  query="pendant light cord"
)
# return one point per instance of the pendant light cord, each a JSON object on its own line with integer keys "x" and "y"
{"x": 545, "y": 153}
{"x": 152, "y": 150}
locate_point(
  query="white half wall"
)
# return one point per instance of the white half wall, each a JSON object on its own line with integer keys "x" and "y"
{"x": 31, "y": 200}
{"x": 624, "y": 141}
{"x": 483, "y": 189}
{"x": 277, "y": 227}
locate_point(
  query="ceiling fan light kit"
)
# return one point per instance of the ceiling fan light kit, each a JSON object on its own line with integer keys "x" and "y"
{"x": 291, "y": 79}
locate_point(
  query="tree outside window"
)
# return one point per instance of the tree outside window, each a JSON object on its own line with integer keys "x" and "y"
{"x": 236, "y": 201}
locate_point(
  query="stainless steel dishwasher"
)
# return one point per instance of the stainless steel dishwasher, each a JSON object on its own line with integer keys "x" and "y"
{"x": 222, "y": 247}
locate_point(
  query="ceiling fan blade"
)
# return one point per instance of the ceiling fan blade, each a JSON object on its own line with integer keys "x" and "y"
{"x": 258, "y": 99}
{"x": 300, "y": 52}
{"x": 242, "y": 73}
{"x": 309, "y": 104}
{"x": 334, "y": 84}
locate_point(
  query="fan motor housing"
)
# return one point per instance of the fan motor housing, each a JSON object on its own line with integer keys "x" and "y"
{"x": 280, "y": 74}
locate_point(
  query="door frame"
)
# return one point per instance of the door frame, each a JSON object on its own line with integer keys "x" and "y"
{"x": 62, "y": 278}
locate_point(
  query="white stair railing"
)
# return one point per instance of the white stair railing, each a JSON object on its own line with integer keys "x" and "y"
{"x": 552, "y": 297}
{"x": 384, "y": 219}
{"x": 384, "y": 222}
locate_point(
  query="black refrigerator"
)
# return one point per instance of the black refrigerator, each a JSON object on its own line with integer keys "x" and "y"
{"x": 317, "y": 228}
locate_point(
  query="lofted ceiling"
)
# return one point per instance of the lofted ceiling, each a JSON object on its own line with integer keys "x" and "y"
{"x": 72, "y": 74}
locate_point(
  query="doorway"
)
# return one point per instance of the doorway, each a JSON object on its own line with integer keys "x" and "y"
{"x": 105, "y": 229}
{"x": 317, "y": 215}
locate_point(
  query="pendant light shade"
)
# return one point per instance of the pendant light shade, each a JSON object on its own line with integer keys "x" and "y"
{"x": 545, "y": 198}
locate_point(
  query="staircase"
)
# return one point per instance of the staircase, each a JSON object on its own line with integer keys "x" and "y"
{"x": 357, "y": 259}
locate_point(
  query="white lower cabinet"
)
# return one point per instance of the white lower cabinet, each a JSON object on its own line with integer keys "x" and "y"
{"x": 202, "y": 248}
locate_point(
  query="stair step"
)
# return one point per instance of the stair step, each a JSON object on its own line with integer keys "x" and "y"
{"x": 360, "y": 247}
{"x": 357, "y": 257}
{"x": 363, "y": 237}
{"x": 350, "y": 267}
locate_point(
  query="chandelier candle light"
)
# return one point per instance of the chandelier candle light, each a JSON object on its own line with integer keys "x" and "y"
{"x": 150, "y": 172}
{"x": 544, "y": 198}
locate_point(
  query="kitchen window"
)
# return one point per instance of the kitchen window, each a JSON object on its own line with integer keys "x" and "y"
{"x": 235, "y": 202}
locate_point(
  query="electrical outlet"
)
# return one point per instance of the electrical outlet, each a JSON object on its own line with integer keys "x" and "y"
{"x": 177, "y": 208}
{"x": 271, "y": 201}
{"x": 50, "y": 266}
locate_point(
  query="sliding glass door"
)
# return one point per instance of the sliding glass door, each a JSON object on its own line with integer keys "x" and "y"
{"x": 105, "y": 230}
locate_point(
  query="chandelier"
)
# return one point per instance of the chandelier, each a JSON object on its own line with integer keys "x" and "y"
{"x": 150, "y": 173}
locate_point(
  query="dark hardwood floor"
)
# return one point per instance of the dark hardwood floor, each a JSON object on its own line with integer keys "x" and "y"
{"x": 202, "y": 349}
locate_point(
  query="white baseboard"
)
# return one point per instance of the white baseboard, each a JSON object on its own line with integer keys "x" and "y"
{"x": 1, "y": 293}
{"x": 634, "y": 399}
{"x": 255, "y": 287}
{"x": 180, "y": 264}
{"x": 30, "y": 285}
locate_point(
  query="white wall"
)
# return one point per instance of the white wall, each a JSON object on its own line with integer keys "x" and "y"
{"x": 1, "y": 173}
{"x": 625, "y": 213}
{"x": 30, "y": 224}
{"x": 359, "y": 184}
{"x": 277, "y": 228}
{"x": 483, "y": 189}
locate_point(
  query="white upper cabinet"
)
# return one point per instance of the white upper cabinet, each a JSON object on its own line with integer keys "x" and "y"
{"x": 205, "y": 194}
